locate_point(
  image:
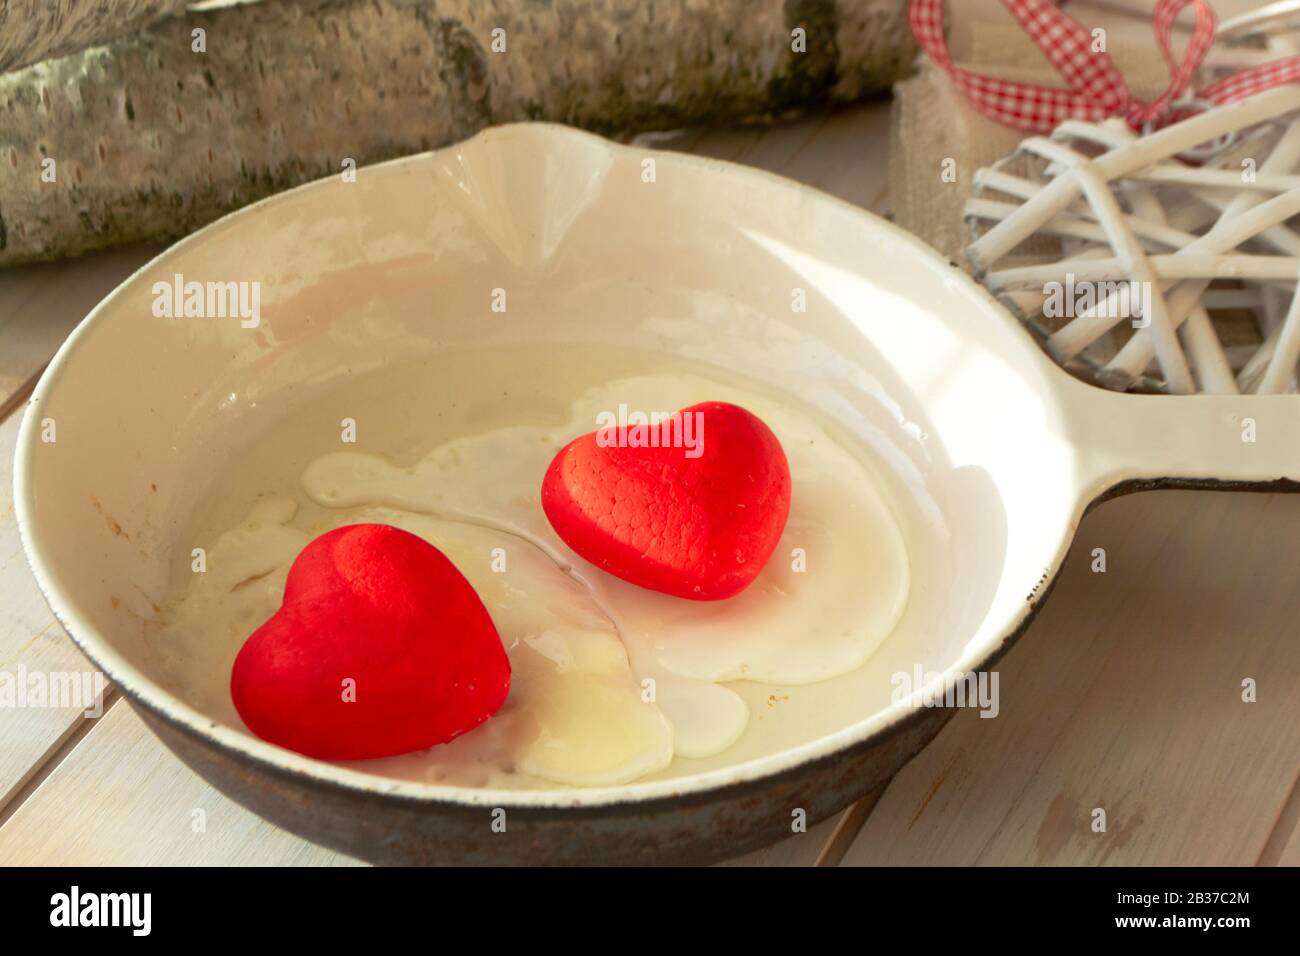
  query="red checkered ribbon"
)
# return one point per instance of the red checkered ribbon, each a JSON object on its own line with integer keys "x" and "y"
{"x": 1095, "y": 88}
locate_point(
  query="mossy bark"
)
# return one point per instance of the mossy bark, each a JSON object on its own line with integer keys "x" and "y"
{"x": 151, "y": 139}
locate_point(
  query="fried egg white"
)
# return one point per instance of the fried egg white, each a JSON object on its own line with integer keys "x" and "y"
{"x": 575, "y": 714}
{"x": 833, "y": 590}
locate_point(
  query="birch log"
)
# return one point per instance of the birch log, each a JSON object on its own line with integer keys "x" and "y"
{"x": 34, "y": 30}
{"x": 157, "y": 134}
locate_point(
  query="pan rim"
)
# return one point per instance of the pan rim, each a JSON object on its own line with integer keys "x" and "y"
{"x": 140, "y": 689}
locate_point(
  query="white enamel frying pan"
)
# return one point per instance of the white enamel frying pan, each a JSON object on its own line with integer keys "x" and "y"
{"x": 989, "y": 453}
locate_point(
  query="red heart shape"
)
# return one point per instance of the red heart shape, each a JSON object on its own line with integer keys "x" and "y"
{"x": 694, "y": 527}
{"x": 385, "y": 609}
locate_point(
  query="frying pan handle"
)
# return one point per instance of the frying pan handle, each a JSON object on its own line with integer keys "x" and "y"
{"x": 1250, "y": 442}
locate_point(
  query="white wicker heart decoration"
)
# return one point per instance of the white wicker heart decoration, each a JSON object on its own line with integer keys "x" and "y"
{"x": 1159, "y": 262}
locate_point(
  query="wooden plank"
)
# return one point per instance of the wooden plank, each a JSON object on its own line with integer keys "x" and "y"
{"x": 1125, "y": 695}
{"x": 845, "y": 153}
{"x": 847, "y": 827}
{"x": 1290, "y": 855}
{"x": 33, "y": 648}
{"x": 121, "y": 798}
{"x": 803, "y": 849}
{"x": 849, "y": 158}
{"x": 40, "y": 304}
{"x": 155, "y": 798}
{"x": 1283, "y": 846}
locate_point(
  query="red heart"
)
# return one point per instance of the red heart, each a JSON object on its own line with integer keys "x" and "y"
{"x": 694, "y": 527}
{"x": 386, "y": 610}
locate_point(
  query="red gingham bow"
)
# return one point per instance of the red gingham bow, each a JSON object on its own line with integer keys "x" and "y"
{"x": 1095, "y": 89}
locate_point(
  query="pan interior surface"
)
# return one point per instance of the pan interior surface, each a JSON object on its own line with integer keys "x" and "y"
{"x": 708, "y": 264}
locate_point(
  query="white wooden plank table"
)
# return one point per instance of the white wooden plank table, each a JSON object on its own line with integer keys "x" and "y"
{"x": 1124, "y": 694}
